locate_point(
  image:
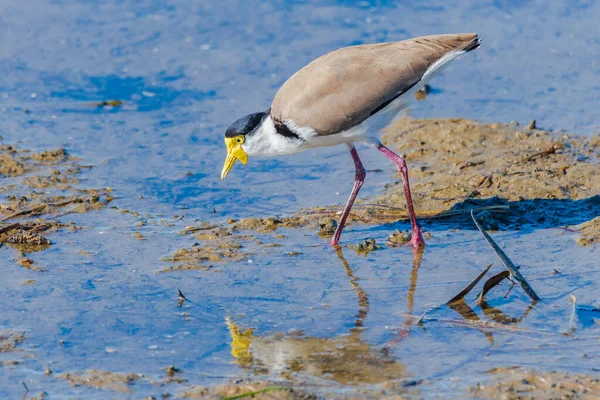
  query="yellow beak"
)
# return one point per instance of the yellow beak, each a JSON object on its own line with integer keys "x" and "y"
{"x": 234, "y": 152}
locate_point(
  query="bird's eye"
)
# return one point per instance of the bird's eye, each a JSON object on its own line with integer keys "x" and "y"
{"x": 240, "y": 140}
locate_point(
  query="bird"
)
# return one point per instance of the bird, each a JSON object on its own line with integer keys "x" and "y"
{"x": 347, "y": 96}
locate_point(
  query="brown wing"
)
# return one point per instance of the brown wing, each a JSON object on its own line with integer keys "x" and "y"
{"x": 342, "y": 88}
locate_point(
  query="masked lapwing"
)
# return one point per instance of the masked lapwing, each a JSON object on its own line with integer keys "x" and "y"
{"x": 344, "y": 97}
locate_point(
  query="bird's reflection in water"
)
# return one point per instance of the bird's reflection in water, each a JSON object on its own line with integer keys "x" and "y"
{"x": 404, "y": 332}
{"x": 490, "y": 312}
{"x": 468, "y": 314}
{"x": 346, "y": 359}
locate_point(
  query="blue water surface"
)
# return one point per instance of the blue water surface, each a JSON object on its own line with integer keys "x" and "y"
{"x": 185, "y": 70}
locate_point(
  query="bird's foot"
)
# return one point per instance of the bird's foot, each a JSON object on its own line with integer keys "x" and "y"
{"x": 417, "y": 241}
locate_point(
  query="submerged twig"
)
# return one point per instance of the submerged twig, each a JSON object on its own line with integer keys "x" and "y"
{"x": 42, "y": 206}
{"x": 490, "y": 284}
{"x": 9, "y": 227}
{"x": 24, "y": 212}
{"x": 470, "y": 286}
{"x": 506, "y": 261}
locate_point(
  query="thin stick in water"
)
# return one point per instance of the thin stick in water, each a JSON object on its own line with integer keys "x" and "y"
{"x": 507, "y": 262}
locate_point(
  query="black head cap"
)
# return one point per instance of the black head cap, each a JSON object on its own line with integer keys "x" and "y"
{"x": 245, "y": 125}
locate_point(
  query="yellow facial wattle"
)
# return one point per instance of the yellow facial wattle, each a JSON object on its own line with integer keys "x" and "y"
{"x": 234, "y": 152}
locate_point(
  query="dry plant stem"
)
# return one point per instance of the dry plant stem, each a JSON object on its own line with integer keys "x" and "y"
{"x": 551, "y": 150}
{"x": 507, "y": 262}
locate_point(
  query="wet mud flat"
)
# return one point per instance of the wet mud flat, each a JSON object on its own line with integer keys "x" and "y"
{"x": 532, "y": 190}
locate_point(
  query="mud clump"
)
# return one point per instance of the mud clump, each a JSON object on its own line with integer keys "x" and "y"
{"x": 327, "y": 227}
{"x": 29, "y": 238}
{"x": 10, "y": 166}
{"x": 108, "y": 103}
{"x": 517, "y": 384}
{"x": 28, "y": 263}
{"x": 36, "y": 178}
{"x": 590, "y": 232}
{"x": 9, "y": 341}
{"x": 366, "y": 246}
{"x": 16, "y": 162}
{"x": 26, "y": 237}
{"x": 399, "y": 238}
{"x": 203, "y": 256}
{"x": 56, "y": 180}
{"x": 270, "y": 224}
{"x": 229, "y": 243}
{"x": 51, "y": 157}
{"x": 101, "y": 379}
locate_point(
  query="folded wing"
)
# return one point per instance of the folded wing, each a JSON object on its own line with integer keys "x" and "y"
{"x": 343, "y": 88}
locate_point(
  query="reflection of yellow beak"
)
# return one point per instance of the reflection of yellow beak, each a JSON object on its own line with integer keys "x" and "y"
{"x": 234, "y": 152}
{"x": 240, "y": 343}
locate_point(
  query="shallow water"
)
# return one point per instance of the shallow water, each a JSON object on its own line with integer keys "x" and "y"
{"x": 185, "y": 71}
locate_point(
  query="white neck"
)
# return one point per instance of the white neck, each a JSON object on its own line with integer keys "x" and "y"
{"x": 267, "y": 142}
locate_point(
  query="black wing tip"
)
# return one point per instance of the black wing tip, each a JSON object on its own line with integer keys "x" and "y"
{"x": 475, "y": 43}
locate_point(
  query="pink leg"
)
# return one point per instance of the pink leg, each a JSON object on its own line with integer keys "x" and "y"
{"x": 359, "y": 179}
{"x": 417, "y": 237}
